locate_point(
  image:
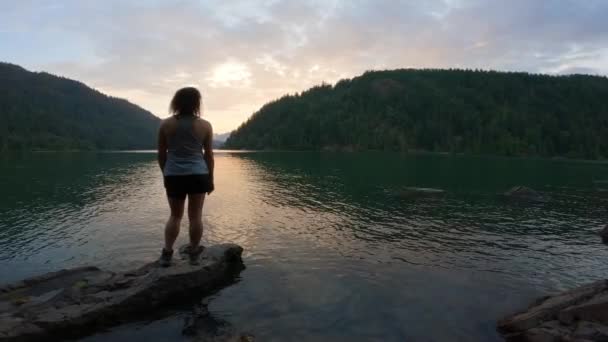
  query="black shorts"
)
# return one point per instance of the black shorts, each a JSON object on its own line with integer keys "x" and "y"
{"x": 179, "y": 186}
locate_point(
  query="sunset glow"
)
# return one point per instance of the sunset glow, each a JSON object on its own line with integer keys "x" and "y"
{"x": 243, "y": 54}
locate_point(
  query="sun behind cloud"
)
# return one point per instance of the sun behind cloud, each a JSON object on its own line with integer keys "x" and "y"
{"x": 231, "y": 73}
{"x": 243, "y": 54}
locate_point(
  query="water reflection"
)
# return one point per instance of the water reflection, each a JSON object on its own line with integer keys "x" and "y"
{"x": 64, "y": 209}
{"x": 333, "y": 251}
{"x": 332, "y": 202}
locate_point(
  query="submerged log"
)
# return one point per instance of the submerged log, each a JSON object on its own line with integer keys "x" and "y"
{"x": 580, "y": 314}
{"x": 75, "y": 302}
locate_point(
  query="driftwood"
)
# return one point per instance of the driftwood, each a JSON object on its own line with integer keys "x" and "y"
{"x": 76, "y": 302}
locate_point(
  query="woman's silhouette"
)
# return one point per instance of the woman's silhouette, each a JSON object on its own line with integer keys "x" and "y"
{"x": 187, "y": 170}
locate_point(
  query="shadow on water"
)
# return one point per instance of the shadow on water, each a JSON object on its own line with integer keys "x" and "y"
{"x": 185, "y": 319}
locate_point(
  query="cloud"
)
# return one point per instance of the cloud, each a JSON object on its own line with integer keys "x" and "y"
{"x": 243, "y": 54}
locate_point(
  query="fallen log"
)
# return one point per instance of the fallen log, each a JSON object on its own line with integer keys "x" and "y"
{"x": 76, "y": 302}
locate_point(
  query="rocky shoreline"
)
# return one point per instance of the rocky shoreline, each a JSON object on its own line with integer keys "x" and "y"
{"x": 577, "y": 315}
{"x": 77, "y": 302}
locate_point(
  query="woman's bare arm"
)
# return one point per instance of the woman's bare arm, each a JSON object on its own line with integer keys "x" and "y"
{"x": 162, "y": 147}
{"x": 208, "y": 155}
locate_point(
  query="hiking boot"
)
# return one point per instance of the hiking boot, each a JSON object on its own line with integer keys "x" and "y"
{"x": 165, "y": 258}
{"x": 194, "y": 254}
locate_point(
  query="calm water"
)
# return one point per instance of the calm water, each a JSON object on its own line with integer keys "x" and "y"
{"x": 333, "y": 250}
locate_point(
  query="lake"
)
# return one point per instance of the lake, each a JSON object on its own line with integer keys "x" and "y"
{"x": 335, "y": 249}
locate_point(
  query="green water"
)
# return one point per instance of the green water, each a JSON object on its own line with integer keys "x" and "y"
{"x": 333, "y": 248}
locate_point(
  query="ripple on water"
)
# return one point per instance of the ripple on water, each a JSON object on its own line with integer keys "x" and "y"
{"x": 331, "y": 252}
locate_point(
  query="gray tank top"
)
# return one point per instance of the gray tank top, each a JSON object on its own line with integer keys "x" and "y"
{"x": 185, "y": 151}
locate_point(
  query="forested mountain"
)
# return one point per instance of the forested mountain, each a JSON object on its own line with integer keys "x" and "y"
{"x": 440, "y": 110}
{"x": 219, "y": 140}
{"x": 42, "y": 111}
{"x": 221, "y": 137}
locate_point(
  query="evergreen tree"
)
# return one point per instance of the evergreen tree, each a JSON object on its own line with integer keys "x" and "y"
{"x": 42, "y": 111}
{"x": 460, "y": 111}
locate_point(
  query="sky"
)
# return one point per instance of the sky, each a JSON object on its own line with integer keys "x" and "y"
{"x": 242, "y": 54}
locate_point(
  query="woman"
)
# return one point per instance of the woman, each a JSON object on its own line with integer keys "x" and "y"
{"x": 187, "y": 171}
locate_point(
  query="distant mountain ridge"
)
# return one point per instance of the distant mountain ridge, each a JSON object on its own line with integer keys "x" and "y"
{"x": 460, "y": 111}
{"x": 222, "y": 137}
{"x": 42, "y": 111}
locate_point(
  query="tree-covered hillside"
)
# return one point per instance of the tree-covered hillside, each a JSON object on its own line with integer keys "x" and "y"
{"x": 440, "y": 110}
{"x": 42, "y": 111}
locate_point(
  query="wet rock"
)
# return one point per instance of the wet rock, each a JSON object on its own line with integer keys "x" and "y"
{"x": 591, "y": 331}
{"x": 202, "y": 326}
{"x": 593, "y": 310}
{"x": 576, "y": 315}
{"x": 76, "y": 302}
{"x": 548, "y": 332}
{"x": 522, "y": 193}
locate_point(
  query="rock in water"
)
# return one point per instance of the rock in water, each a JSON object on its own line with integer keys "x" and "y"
{"x": 523, "y": 193}
{"x": 72, "y": 303}
{"x": 414, "y": 192}
{"x": 580, "y": 314}
{"x": 202, "y": 326}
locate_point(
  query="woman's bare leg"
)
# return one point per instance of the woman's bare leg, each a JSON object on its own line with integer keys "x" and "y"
{"x": 195, "y": 216}
{"x": 172, "y": 226}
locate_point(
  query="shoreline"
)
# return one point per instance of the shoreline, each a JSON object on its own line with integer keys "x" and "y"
{"x": 78, "y": 302}
{"x": 346, "y": 151}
